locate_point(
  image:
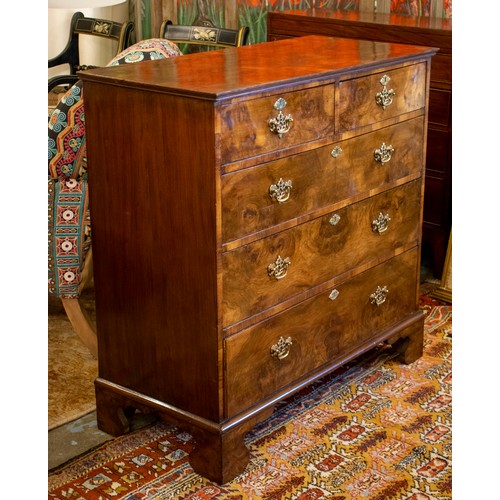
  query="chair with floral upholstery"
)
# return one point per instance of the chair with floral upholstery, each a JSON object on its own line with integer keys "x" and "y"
{"x": 69, "y": 229}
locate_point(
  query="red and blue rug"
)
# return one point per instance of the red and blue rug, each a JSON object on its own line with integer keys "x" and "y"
{"x": 375, "y": 429}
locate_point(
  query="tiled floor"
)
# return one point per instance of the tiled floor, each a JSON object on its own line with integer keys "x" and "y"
{"x": 75, "y": 438}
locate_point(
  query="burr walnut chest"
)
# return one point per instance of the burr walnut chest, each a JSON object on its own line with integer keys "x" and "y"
{"x": 416, "y": 30}
{"x": 256, "y": 223}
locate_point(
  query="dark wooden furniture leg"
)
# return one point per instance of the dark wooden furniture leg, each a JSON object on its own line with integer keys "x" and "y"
{"x": 410, "y": 343}
{"x": 219, "y": 453}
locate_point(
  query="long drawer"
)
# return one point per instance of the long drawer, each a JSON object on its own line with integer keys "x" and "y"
{"x": 304, "y": 115}
{"x": 370, "y": 99}
{"x": 271, "y": 355}
{"x": 267, "y": 195}
{"x": 264, "y": 273}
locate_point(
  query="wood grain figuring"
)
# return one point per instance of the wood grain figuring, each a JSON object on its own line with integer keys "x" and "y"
{"x": 318, "y": 179}
{"x": 368, "y": 28}
{"x": 318, "y": 250}
{"x": 246, "y": 124}
{"x": 320, "y": 329}
{"x": 181, "y": 159}
{"x": 357, "y": 105}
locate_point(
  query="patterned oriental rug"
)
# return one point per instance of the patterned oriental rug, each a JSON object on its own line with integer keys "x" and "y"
{"x": 375, "y": 429}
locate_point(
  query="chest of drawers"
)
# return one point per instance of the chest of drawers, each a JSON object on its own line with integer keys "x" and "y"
{"x": 413, "y": 30}
{"x": 256, "y": 223}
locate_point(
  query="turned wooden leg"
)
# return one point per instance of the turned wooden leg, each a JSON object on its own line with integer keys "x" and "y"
{"x": 87, "y": 273}
{"x": 81, "y": 323}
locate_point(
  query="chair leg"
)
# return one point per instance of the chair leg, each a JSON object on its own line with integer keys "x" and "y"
{"x": 82, "y": 324}
{"x": 87, "y": 275}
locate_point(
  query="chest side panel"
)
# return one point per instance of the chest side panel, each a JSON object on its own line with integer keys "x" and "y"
{"x": 153, "y": 232}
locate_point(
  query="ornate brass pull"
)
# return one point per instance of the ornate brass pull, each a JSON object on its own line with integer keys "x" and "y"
{"x": 384, "y": 153}
{"x": 282, "y": 349}
{"x": 280, "y": 191}
{"x": 379, "y": 295}
{"x": 279, "y": 268}
{"x": 281, "y": 124}
{"x": 385, "y": 96}
{"x": 381, "y": 223}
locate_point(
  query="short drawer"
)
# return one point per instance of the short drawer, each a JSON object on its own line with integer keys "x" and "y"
{"x": 367, "y": 100}
{"x": 267, "y": 195}
{"x": 266, "y": 272}
{"x": 296, "y": 117}
{"x": 273, "y": 354}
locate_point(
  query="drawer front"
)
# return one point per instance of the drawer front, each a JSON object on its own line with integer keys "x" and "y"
{"x": 264, "y": 196}
{"x": 246, "y": 126}
{"x": 321, "y": 328}
{"x": 266, "y": 272}
{"x": 366, "y": 100}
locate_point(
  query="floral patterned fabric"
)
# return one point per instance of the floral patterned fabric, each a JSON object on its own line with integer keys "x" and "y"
{"x": 69, "y": 219}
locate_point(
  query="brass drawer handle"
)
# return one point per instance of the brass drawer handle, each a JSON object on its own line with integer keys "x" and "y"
{"x": 384, "y": 153}
{"x": 385, "y": 96}
{"x": 280, "y": 191}
{"x": 281, "y": 349}
{"x": 281, "y": 124}
{"x": 379, "y": 295}
{"x": 381, "y": 223}
{"x": 279, "y": 268}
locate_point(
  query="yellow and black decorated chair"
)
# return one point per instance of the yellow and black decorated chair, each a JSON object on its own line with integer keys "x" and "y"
{"x": 192, "y": 38}
{"x": 81, "y": 25}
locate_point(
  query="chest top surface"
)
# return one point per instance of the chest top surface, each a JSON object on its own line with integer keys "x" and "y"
{"x": 231, "y": 72}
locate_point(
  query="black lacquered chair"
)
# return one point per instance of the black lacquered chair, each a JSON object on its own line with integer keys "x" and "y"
{"x": 196, "y": 37}
{"x": 81, "y": 25}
